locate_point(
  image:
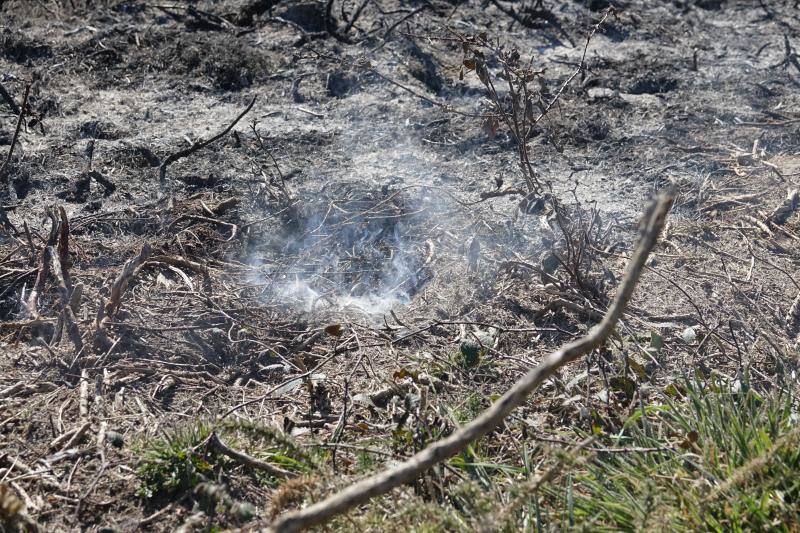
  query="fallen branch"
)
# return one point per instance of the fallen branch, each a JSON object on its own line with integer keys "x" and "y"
{"x": 178, "y": 261}
{"x": 246, "y": 460}
{"x": 162, "y": 169}
{"x": 77, "y": 436}
{"x": 782, "y": 213}
{"x": 560, "y": 303}
{"x": 732, "y": 202}
{"x": 22, "y": 388}
{"x": 382, "y": 482}
{"x": 26, "y": 324}
{"x": 200, "y": 218}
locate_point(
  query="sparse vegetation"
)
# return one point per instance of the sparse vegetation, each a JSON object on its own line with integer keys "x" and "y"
{"x": 713, "y": 459}
{"x": 716, "y": 460}
{"x": 175, "y": 463}
{"x": 182, "y": 459}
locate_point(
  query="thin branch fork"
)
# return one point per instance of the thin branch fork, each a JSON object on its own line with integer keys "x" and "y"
{"x": 121, "y": 283}
{"x": 581, "y": 67}
{"x": 650, "y": 228}
{"x": 70, "y": 321}
{"x": 44, "y": 268}
{"x": 162, "y": 169}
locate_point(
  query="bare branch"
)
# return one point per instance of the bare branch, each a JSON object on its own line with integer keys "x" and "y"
{"x": 243, "y": 458}
{"x": 107, "y": 310}
{"x": 20, "y": 118}
{"x": 162, "y": 169}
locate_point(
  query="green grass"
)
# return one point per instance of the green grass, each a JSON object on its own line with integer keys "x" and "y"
{"x": 704, "y": 457}
{"x": 726, "y": 461}
{"x": 178, "y": 461}
{"x": 170, "y": 464}
{"x": 732, "y": 465}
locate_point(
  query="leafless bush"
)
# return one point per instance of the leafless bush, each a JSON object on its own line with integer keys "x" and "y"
{"x": 519, "y": 100}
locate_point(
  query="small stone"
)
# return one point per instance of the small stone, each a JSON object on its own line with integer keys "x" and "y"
{"x": 115, "y": 439}
{"x": 689, "y": 335}
{"x": 598, "y": 93}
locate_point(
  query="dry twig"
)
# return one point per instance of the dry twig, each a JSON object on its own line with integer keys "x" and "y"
{"x": 243, "y": 458}
{"x": 162, "y": 169}
{"x": 107, "y": 309}
{"x": 4, "y": 168}
{"x": 68, "y": 315}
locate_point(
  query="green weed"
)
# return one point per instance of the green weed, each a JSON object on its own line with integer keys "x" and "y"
{"x": 719, "y": 460}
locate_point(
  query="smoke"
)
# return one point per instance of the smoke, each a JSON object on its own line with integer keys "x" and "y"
{"x": 360, "y": 242}
{"x": 370, "y": 265}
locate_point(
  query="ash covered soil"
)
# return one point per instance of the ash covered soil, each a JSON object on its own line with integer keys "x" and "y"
{"x": 358, "y": 265}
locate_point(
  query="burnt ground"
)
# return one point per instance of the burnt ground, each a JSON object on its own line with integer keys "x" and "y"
{"x": 325, "y": 260}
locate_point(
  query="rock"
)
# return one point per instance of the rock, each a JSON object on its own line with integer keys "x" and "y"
{"x": 115, "y": 439}
{"x": 600, "y": 93}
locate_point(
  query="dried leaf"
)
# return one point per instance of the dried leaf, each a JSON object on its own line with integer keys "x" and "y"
{"x": 689, "y": 441}
{"x": 675, "y": 391}
{"x": 405, "y": 373}
{"x": 469, "y": 64}
{"x": 334, "y": 330}
{"x": 638, "y": 369}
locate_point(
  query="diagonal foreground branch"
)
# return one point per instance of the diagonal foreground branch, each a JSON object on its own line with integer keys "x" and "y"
{"x": 650, "y": 227}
